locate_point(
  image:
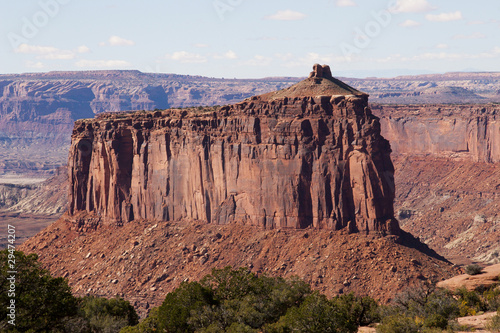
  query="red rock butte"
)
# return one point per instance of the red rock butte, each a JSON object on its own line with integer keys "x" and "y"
{"x": 310, "y": 155}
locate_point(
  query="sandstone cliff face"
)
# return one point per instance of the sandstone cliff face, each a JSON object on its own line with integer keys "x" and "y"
{"x": 470, "y": 132}
{"x": 307, "y": 156}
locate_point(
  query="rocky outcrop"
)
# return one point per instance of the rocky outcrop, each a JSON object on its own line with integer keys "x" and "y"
{"x": 307, "y": 156}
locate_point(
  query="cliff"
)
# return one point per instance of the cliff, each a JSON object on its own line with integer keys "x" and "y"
{"x": 307, "y": 156}
{"x": 464, "y": 131}
{"x": 447, "y": 176}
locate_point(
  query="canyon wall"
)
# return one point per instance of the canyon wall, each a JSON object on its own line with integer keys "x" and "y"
{"x": 467, "y": 131}
{"x": 447, "y": 176}
{"x": 283, "y": 160}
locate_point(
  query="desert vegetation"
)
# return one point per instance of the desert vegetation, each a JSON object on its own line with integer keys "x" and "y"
{"x": 230, "y": 300}
{"x": 45, "y": 304}
{"x": 239, "y": 301}
{"x": 233, "y": 300}
{"x": 473, "y": 269}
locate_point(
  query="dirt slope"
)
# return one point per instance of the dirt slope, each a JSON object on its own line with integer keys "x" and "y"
{"x": 144, "y": 260}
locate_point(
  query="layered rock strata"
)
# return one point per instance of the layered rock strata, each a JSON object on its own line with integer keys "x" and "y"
{"x": 307, "y": 156}
{"x": 466, "y": 131}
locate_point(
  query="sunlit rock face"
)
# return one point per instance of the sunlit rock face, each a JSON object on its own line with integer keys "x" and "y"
{"x": 310, "y": 155}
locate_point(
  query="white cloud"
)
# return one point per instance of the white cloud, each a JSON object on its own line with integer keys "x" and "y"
{"x": 231, "y": 55}
{"x": 259, "y": 60}
{"x": 82, "y": 49}
{"x": 45, "y": 52}
{"x": 286, "y": 15}
{"x": 476, "y": 35}
{"x": 118, "y": 41}
{"x": 441, "y": 46}
{"x": 103, "y": 64}
{"x": 412, "y": 6}
{"x": 410, "y": 24}
{"x": 187, "y": 57}
{"x": 445, "y": 17}
{"x": 33, "y": 64}
{"x": 345, "y": 3}
{"x": 201, "y": 45}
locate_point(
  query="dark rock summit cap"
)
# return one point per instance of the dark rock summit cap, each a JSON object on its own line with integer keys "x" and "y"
{"x": 319, "y": 83}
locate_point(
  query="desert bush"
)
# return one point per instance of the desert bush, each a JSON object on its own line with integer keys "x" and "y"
{"x": 107, "y": 315}
{"x": 473, "y": 269}
{"x": 362, "y": 310}
{"x": 470, "y": 302}
{"x": 492, "y": 298}
{"x": 245, "y": 298}
{"x": 493, "y": 324}
{"x": 230, "y": 300}
{"x": 176, "y": 309}
{"x": 420, "y": 310}
{"x": 315, "y": 315}
{"x": 148, "y": 325}
{"x": 398, "y": 324}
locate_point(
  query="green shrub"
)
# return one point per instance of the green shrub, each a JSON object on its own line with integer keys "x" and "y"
{"x": 420, "y": 309}
{"x": 440, "y": 307}
{"x": 148, "y": 325}
{"x": 471, "y": 302}
{"x": 315, "y": 315}
{"x": 107, "y": 315}
{"x": 363, "y": 310}
{"x": 230, "y": 300}
{"x": 492, "y": 298}
{"x": 473, "y": 269}
{"x": 43, "y": 303}
{"x": 176, "y": 309}
{"x": 436, "y": 321}
{"x": 245, "y": 298}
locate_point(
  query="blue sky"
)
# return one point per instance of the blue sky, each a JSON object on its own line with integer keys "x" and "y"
{"x": 251, "y": 38}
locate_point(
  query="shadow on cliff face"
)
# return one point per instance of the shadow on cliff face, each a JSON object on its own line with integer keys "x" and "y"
{"x": 408, "y": 240}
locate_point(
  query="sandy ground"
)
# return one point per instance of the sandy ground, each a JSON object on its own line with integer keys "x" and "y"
{"x": 25, "y": 226}
{"x": 19, "y": 179}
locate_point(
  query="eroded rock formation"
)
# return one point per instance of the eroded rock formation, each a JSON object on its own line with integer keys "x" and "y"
{"x": 307, "y": 156}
